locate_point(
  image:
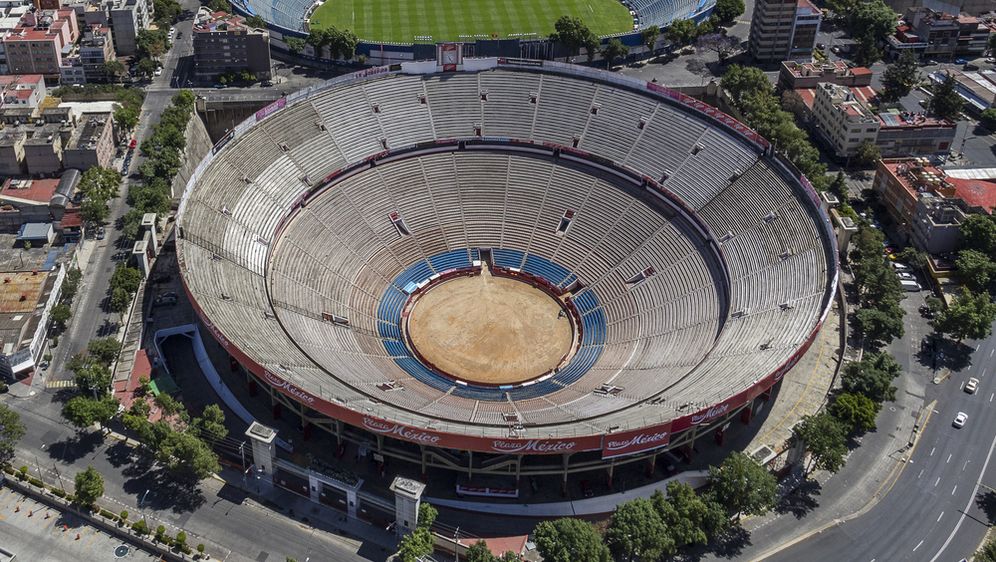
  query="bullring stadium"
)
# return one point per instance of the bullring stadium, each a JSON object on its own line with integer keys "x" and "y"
{"x": 505, "y": 265}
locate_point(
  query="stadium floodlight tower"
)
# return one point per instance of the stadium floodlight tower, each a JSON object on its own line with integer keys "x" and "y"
{"x": 407, "y": 497}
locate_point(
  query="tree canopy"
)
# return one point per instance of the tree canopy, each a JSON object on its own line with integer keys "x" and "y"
{"x": 650, "y": 34}
{"x": 856, "y": 411}
{"x": 187, "y": 456}
{"x": 613, "y": 50}
{"x": 728, "y": 10}
{"x": 975, "y": 269}
{"x": 83, "y": 411}
{"x": 573, "y": 34}
{"x": 946, "y": 102}
{"x": 690, "y": 518}
{"x": 825, "y": 438}
{"x": 211, "y": 424}
{"x": 743, "y": 486}
{"x": 11, "y": 431}
{"x": 569, "y": 540}
{"x": 978, "y": 232}
{"x": 636, "y": 529}
{"x": 970, "y": 316}
{"x": 872, "y": 376}
{"x": 900, "y": 77}
{"x": 681, "y": 32}
{"x": 870, "y": 22}
{"x": 89, "y": 486}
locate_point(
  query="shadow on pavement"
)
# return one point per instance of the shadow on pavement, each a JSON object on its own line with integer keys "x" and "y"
{"x": 804, "y": 499}
{"x": 986, "y": 501}
{"x": 72, "y": 449}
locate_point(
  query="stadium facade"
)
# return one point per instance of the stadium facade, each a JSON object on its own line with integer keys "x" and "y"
{"x": 697, "y": 265}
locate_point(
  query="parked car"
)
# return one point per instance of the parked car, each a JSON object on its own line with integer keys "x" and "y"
{"x": 961, "y": 61}
{"x": 911, "y": 286}
{"x": 158, "y": 71}
{"x": 266, "y": 83}
{"x": 960, "y": 420}
{"x": 900, "y": 266}
{"x": 166, "y": 299}
{"x": 101, "y": 233}
{"x": 972, "y": 385}
{"x": 905, "y": 276}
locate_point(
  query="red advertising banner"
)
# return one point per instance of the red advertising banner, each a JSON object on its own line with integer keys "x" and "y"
{"x": 270, "y": 109}
{"x": 636, "y": 441}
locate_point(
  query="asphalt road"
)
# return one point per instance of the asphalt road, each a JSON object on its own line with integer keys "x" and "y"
{"x": 937, "y": 509}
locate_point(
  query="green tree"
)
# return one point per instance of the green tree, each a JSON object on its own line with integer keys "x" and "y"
{"x": 427, "y": 515}
{"x": 740, "y": 82}
{"x": 650, "y": 34}
{"x": 479, "y": 552}
{"x": 681, "y": 32}
{"x": 219, "y": 5}
{"x": 187, "y": 456}
{"x": 971, "y": 316}
{"x": 728, "y": 10}
{"x": 146, "y": 66}
{"x": 211, "y": 425}
{"x": 295, "y": 44}
{"x": 872, "y": 377}
{"x": 94, "y": 211}
{"x": 91, "y": 378}
{"x": 867, "y": 154}
{"x": 988, "y": 551}
{"x": 120, "y": 300}
{"x": 743, "y": 486}
{"x": 878, "y": 326}
{"x": 825, "y": 438}
{"x": 574, "y": 34}
{"x": 636, "y": 529}
{"x": 127, "y": 278}
{"x": 842, "y": 7}
{"x": 946, "y": 102}
{"x": 988, "y": 116}
{"x": 870, "y": 22}
{"x": 569, "y": 540}
{"x": 126, "y": 118}
{"x": 61, "y": 313}
{"x": 114, "y": 69}
{"x": 11, "y": 431}
{"x": 83, "y": 411}
{"x": 839, "y": 187}
{"x": 104, "y": 349}
{"x": 151, "y": 43}
{"x": 720, "y": 43}
{"x": 89, "y": 487}
{"x": 256, "y": 21}
{"x": 856, "y": 411}
{"x": 100, "y": 183}
{"x": 415, "y": 545}
{"x": 689, "y": 518}
{"x": 978, "y": 232}
{"x": 613, "y": 50}
{"x": 975, "y": 269}
{"x": 900, "y": 77}
{"x": 167, "y": 11}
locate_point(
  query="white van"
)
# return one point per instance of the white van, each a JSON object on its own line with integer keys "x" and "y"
{"x": 908, "y": 285}
{"x": 900, "y": 266}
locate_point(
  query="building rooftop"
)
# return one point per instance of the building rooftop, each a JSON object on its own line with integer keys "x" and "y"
{"x": 22, "y": 293}
{"x": 826, "y": 68}
{"x": 908, "y": 119}
{"x": 916, "y": 175}
{"x": 90, "y": 131}
{"x": 33, "y": 190}
{"x": 980, "y": 194}
{"x": 208, "y": 22}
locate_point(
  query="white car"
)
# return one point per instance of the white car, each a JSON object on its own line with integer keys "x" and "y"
{"x": 960, "y": 420}
{"x": 158, "y": 71}
{"x": 972, "y": 385}
{"x": 905, "y": 276}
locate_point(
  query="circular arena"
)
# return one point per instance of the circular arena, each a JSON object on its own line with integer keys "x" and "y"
{"x": 517, "y": 266}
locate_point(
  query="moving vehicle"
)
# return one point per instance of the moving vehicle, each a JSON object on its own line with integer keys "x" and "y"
{"x": 960, "y": 420}
{"x": 911, "y": 286}
{"x": 972, "y": 385}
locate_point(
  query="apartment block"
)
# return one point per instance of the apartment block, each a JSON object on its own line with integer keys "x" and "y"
{"x": 224, "y": 43}
{"x": 783, "y": 30}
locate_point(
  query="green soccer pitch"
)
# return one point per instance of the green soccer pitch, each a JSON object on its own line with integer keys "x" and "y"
{"x": 401, "y": 21}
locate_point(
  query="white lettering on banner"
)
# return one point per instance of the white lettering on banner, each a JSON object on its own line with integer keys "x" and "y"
{"x": 532, "y": 446}
{"x": 276, "y": 382}
{"x": 641, "y": 439}
{"x": 404, "y": 432}
{"x": 216, "y": 332}
{"x": 710, "y": 414}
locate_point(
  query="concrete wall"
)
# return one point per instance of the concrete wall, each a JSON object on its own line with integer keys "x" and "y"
{"x": 198, "y": 144}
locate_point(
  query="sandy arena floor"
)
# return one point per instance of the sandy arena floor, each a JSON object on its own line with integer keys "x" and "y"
{"x": 490, "y": 330}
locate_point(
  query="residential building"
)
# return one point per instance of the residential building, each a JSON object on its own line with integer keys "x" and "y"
{"x": 783, "y": 30}
{"x": 96, "y": 48}
{"x": 973, "y": 7}
{"x": 48, "y": 4}
{"x": 224, "y": 43}
{"x": 39, "y": 43}
{"x": 844, "y": 118}
{"x": 795, "y": 75}
{"x": 938, "y": 35}
{"x": 898, "y": 183}
{"x": 127, "y": 18}
{"x": 22, "y": 90}
{"x": 91, "y": 143}
{"x": 26, "y": 299}
{"x": 936, "y": 227}
{"x": 31, "y": 200}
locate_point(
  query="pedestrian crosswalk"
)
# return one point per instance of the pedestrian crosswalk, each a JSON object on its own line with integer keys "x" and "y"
{"x": 60, "y": 384}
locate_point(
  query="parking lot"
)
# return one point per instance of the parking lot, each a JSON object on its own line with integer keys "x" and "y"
{"x": 33, "y": 532}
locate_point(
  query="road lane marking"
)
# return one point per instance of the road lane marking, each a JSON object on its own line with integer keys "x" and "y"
{"x": 938, "y": 481}
{"x": 953, "y": 489}
{"x": 991, "y": 352}
{"x": 965, "y": 466}
{"x": 991, "y": 396}
{"x": 939, "y": 517}
{"x": 968, "y": 505}
{"x": 949, "y": 458}
{"x": 917, "y": 545}
{"x": 919, "y": 475}
{"x": 931, "y": 451}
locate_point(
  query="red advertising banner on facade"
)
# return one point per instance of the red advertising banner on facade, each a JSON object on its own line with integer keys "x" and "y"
{"x": 636, "y": 441}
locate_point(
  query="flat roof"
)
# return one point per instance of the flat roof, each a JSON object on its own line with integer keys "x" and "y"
{"x": 34, "y": 190}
